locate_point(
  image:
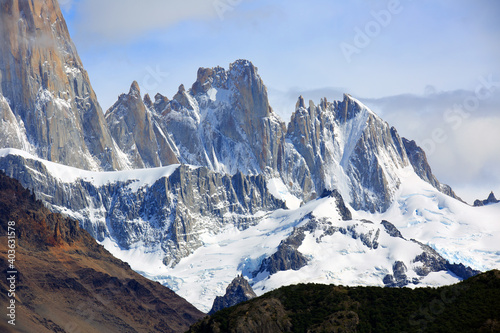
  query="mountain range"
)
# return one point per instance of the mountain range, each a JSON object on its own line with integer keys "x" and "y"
{"x": 212, "y": 184}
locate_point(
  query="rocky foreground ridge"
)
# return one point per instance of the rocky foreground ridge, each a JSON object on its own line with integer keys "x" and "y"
{"x": 469, "y": 306}
{"x": 67, "y": 282}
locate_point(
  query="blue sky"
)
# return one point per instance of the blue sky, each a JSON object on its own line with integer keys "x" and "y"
{"x": 410, "y": 61}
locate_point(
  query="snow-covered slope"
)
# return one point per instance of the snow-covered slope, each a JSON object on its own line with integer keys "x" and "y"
{"x": 159, "y": 210}
{"x": 362, "y": 251}
{"x": 459, "y": 232}
{"x": 209, "y": 228}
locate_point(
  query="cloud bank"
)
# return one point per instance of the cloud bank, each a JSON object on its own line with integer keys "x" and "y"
{"x": 461, "y": 139}
{"x": 123, "y": 20}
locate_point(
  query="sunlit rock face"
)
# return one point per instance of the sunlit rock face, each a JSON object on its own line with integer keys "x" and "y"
{"x": 43, "y": 81}
{"x": 137, "y": 133}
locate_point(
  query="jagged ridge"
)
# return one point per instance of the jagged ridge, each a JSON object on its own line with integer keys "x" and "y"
{"x": 225, "y": 122}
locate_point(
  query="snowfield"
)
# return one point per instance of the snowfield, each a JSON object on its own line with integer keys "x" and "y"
{"x": 459, "y": 232}
{"x": 67, "y": 174}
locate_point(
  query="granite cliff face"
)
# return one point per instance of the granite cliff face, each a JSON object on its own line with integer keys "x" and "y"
{"x": 137, "y": 133}
{"x": 422, "y": 168}
{"x": 47, "y": 105}
{"x": 225, "y": 122}
{"x": 347, "y": 147}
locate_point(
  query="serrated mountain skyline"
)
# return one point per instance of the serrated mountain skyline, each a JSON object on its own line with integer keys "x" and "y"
{"x": 212, "y": 183}
{"x": 408, "y": 74}
{"x": 225, "y": 123}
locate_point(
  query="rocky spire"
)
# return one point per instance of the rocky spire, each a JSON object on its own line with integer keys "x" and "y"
{"x": 300, "y": 103}
{"x": 161, "y": 103}
{"x": 209, "y": 78}
{"x": 490, "y": 200}
{"x": 147, "y": 101}
{"x": 136, "y": 133}
{"x": 239, "y": 290}
{"x": 348, "y": 108}
{"x": 49, "y": 92}
{"x": 135, "y": 90}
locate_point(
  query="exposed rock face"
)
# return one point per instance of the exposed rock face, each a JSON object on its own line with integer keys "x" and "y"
{"x": 391, "y": 229}
{"x": 426, "y": 262}
{"x": 430, "y": 259}
{"x": 165, "y": 214}
{"x": 136, "y": 132}
{"x": 53, "y": 107}
{"x": 490, "y": 200}
{"x": 344, "y": 212}
{"x": 345, "y": 143}
{"x": 286, "y": 257}
{"x": 224, "y": 121}
{"x": 434, "y": 262}
{"x": 12, "y": 132}
{"x": 462, "y": 271}
{"x": 398, "y": 277}
{"x": 422, "y": 168}
{"x": 238, "y": 291}
{"x": 69, "y": 283}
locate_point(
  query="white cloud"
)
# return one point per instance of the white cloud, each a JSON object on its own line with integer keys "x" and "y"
{"x": 126, "y": 19}
{"x": 462, "y": 151}
{"x": 466, "y": 154}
